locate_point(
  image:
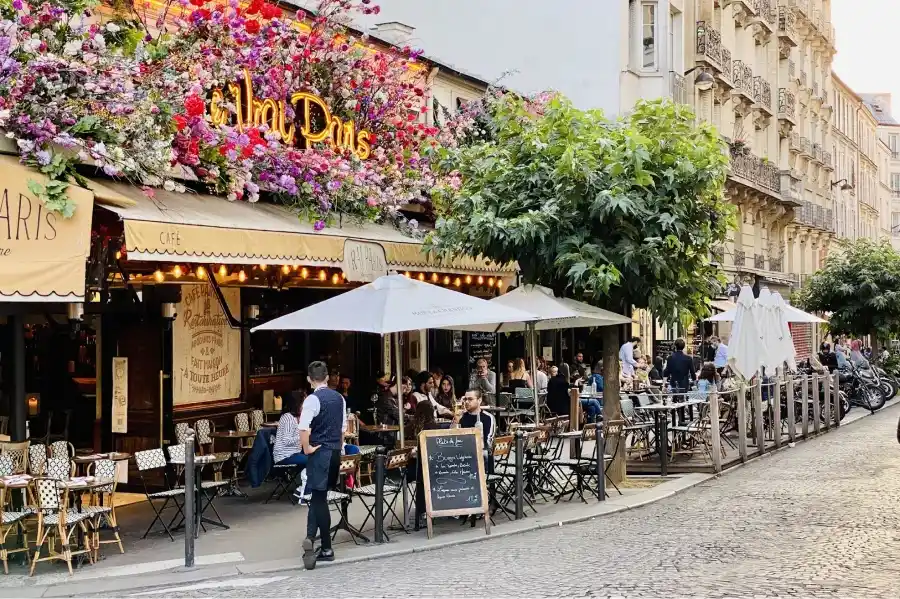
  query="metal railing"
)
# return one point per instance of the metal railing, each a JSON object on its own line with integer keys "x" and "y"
{"x": 759, "y": 261}
{"x": 802, "y": 78}
{"x": 743, "y": 77}
{"x": 762, "y": 91}
{"x": 792, "y": 69}
{"x": 757, "y": 170}
{"x": 768, "y": 12}
{"x": 676, "y": 87}
{"x": 805, "y": 146}
{"x": 786, "y": 102}
{"x": 726, "y": 63}
{"x": 739, "y": 257}
{"x": 787, "y": 22}
{"x": 775, "y": 264}
{"x": 826, "y": 159}
{"x": 796, "y": 144}
{"x": 709, "y": 43}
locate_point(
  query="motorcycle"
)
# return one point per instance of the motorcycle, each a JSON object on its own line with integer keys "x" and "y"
{"x": 888, "y": 385}
{"x": 862, "y": 387}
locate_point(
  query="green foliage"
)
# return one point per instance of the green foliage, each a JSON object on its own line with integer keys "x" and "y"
{"x": 620, "y": 212}
{"x": 860, "y": 286}
{"x": 60, "y": 170}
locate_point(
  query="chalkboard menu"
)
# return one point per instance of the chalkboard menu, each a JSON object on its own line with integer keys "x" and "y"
{"x": 663, "y": 348}
{"x": 453, "y": 473}
{"x": 482, "y": 345}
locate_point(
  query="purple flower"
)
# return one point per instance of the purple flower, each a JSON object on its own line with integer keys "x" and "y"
{"x": 17, "y": 4}
{"x": 43, "y": 157}
{"x": 320, "y": 224}
{"x": 334, "y": 185}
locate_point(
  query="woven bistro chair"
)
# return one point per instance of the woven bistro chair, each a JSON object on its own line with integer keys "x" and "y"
{"x": 11, "y": 522}
{"x": 340, "y": 500}
{"x": 57, "y": 524}
{"x": 37, "y": 459}
{"x": 256, "y": 420}
{"x": 398, "y": 460}
{"x": 60, "y": 469}
{"x": 19, "y": 454}
{"x": 211, "y": 488}
{"x": 62, "y": 449}
{"x": 103, "y": 507}
{"x": 204, "y": 429}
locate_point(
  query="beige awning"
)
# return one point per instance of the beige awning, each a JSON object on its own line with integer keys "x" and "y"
{"x": 196, "y": 228}
{"x": 722, "y": 305}
{"x": 42, "y": 254}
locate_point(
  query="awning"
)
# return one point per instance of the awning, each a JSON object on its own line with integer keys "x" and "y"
{"x": 196, "y": 228}
{"x": 42, "y": 254}
{"x": 722, "y": 305}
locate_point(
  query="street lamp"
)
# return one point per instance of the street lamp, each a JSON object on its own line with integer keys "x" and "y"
{"x": 845, "y": 185}
{"x": 703, "y": 81}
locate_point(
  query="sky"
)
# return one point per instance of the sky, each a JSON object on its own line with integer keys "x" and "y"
{"x": 868, "y": 46}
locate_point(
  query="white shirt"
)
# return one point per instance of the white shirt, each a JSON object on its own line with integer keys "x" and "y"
{"x": 438, "y": 408}
{"x": 721, "y": 359}
{"x": 540, "y": 380}
{"x": 287, "y": 439}
{"x": 626, "y": 357}
{"x": 311, "y": 407}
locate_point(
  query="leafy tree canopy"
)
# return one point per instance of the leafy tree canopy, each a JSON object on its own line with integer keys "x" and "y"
{"x": 860, "y": 286}
{"x": 623, "y": 212}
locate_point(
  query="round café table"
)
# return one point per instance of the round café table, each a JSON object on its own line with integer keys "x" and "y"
{"x": 236, "y": 437}
{"x": 84, "y": 461}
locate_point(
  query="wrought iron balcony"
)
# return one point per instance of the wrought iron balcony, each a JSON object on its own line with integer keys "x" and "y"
{"x": 759, "y": 261}
{"x": 805, "y": 147}
{"x": 768, "y": 13}
{"x": 752, "y": 168}
{"x": 796, "y": 144}
{"x": 740, "y": 257}
{"x": 726, "y": 65}
{"x": 775, "y": 264}
{"x": 786, "y": 103}
{"x": 792, "y": 69}
{"x": 717, "y": 254}
{"x": 743, "y": 79}
{"x": 829, "y": 220}
{"x": 818, "y": 154}
{"x": 709, "y": 44}
{"x": 677, "y": 87}
{"x": 787, "y": 24}
{"x": 826, "y": 160}
{"x": 762, "y": 92}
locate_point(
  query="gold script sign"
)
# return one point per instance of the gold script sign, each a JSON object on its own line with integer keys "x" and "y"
{"x": 120, "y": 395}
{"x": 206, "y": 352}
{"x": 253, "y": 112}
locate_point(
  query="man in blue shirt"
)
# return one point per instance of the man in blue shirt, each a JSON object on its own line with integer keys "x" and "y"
{"x": 322, "y": 425}
{"x": 721, "y": 356}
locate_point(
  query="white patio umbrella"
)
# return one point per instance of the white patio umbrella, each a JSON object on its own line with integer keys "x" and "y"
{"x": 788, "y": 351}
{"x": 392, "y": 304}
{"x": 744, "y": 351}
{"x": 552, "y": 312}
{"x": 793, "y": 314}
{"x": 768, "y": 319}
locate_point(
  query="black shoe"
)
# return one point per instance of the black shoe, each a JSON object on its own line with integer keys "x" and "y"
{"x": 309, "y": 554}
{"x": 325, "y": 555}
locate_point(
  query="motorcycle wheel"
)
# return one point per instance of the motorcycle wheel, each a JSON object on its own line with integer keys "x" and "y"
{"x": 872, "y": 398}
{"x": 887, "y": 390}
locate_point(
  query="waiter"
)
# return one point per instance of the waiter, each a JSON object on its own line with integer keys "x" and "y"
{"x": 323, "y": 421}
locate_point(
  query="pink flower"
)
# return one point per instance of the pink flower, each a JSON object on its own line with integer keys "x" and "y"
{"x": 320, "y": 224}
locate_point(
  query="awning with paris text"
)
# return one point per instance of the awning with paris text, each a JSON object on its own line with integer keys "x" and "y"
{"x": 197, "y": 228}
{"x": 43, "y": 255}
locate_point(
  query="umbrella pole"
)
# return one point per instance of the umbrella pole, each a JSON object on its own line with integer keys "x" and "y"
{"x": 534, "y": 389}
{"x": 399, "y": 370}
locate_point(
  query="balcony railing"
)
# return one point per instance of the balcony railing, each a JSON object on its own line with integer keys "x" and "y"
{"x": 709, "y": 43}
{"x": 802, "y": 78}
{"x": 757, "y": 170}
{"x": 762, "y": 91}
{"x": 829, "y": 220}
{"x": 677, "y": 87}
{"x": 792, "y": 69}
{"x": 743, "y": 77}
{"x": 759, "y": 261}
{"x": 826, "y": 160}
{"x": 818, "y": 153}
{"x": 805, "y": 146}
{"x": 796, "y": 144}
{"x": 726, "y": 62}
{"x": 786, "y": 102}
{"x": 717, "y": 254}
{"x": 787, "y": 22}
{"x": 775, "y": 264}
{"x": 740, "y": 257}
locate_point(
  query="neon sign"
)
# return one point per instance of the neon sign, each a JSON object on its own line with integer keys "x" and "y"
{"x": 316, "y": 123}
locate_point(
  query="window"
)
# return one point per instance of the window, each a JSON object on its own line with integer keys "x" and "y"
{"x": 648, "y": 36}
{"x": 894, "y": 143}
{"x": 895, "y": 181}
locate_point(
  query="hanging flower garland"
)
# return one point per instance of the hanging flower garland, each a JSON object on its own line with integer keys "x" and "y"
{"x": 239, "y": 98}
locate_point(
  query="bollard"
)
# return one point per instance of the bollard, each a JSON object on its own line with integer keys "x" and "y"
{"x": 715, "y": 432}
{"x": 775, "y": 400}
{"x": 791, "y": 408}
{"x": 815, "y": 404}
{"x": 190, "y": 528}
{"x": 380, "y": 457}
{"x": 520, "y": 479}
{"x": 662, "y": 420}
{"x": 759, "y": 423}
{"x": 742, "y": 421}
{"x": 804, "y": 405}
{"x": 836, "y": 396}
{"x": 601, "y": 464}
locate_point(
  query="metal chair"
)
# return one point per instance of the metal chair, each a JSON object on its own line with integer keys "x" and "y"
{"x": 154, "y": 459}
{"x": 55, "y": 520}
{"x": 104, "y": 512}
{"x": 37, "y": 459}
{"x": 19, "y": 454}
{"x": 210, "y": 488}
{"x": 398, "y": 460}
{"x": 11, "y": 521}
{"x": 204, "y": 429}
{"x": 340, "y": 500}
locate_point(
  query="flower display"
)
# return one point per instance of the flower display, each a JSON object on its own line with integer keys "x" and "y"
{"x": 236, "y": 98}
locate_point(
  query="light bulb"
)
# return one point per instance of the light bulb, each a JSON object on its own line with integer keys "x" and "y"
{"x": 406, "y": 274}
{"x": 118, "y": 255}
{"x": 499, "y": 283}
{"x": 304, "y": 272}
{"x": 242, "y": 276}
{"x": 223, "y": 271}
{"x": 421, "y": 276}
{"x": 335, "y": 279}
{"x": 434, "y": 277}
{"x": 446, "y": 280}
{"x": 457, "y": 282}
{"x": 491, "y": 282}
{"x": 322, "y": 275}
{"x": 201, "y": 272}
{"x": 286, "y": 269}
{"x": 468, "y": 279}
{"x": 159, "y": 276}
{"x": 177, "y": 272}
{"x": 481, "y": 280}
{"x": 263, "y": 267}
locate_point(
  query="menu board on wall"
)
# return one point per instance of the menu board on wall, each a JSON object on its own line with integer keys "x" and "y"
{"x": 206, "y": 352}
{"x": 120, "y": 395}
{"x": 482, "y": 345}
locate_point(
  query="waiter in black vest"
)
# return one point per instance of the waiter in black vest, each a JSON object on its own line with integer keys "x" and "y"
{"x": 323, "y": 421}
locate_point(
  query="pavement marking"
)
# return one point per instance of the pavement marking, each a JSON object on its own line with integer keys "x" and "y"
{"x": 136, "y": 569}
{"x": 219, "y": 584}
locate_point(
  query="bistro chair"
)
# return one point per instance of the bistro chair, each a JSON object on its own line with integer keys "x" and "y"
{"x": 181, "y": 432}
{"x": 340, "y": 500}
{"x": 637, "y": 428}
{"x": 19, "y": 454}
{"x": 496, "y": 480}
{"x": 256, "y": 420}
{"x": 210, "y": 488}
{"x": 104, "y": 511}
{"x": 575, "y": 471}
{"x": 37, "y": 459}
{"x": 60, "y": 469}
{"x": 612, "y": 437}
{"x": 204, "y": 429}
{"x": 150, "y": 460}
{"x": 242, "y": 424}
{"x": 57, "y": 524}
{"x": 11, "y": 522}
{"x": 397, "y": 459}
{"x": 7, "y": 466}
{"x": 62, "y": 449}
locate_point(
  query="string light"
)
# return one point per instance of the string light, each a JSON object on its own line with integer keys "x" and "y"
{"x": 457, "y": 282}
{"x": 446, "y": 280}
{"x": 421, "y": 276}
{"x": 481, "y": 280}
{"x": 223, "y": 271}
{"x": 434, "y": 277}
{"x": 499, "y": 283}
{"x": 263, "y": 267}
{"x": 159, "y": 276}
{"x": 322, "y": 275}
{"x": 491, "y": 282}
{"x": 335, "y": 279}
{"x": 286, "y": 269}
{"x": 242, "y": 276}
{"x": 468, "y": 279}
{"x": 304, "y": 272}
{"x": 406, "y": 274}
{"x": 177, "y": 272}
{"x": 343, "y": 276}
{"x": 201, "y": 272}
{"x": 296, "y": 267}
{"x": 118, "y": 255}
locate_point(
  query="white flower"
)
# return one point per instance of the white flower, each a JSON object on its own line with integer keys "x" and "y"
{"x": 232, "y": 197}
{"x": 113, "y": 28}
{"x": 32, "y": 44}
{"x": 72, "y": 48}
{"x": 98, "y": 42}
{"x": 179, "y": 188}
{"x": 169, "y": 185}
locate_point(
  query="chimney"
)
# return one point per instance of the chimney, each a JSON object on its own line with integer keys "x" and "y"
{"x": 394, "y": 32}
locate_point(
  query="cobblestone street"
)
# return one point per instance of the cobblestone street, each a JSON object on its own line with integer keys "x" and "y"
{"x": 817, "y": 520}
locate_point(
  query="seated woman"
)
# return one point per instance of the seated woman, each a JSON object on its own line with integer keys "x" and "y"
{"x": 286, "y": 449}
{"x": 708, "y": 381}
{"x": 446, "y": 394}
{"x": 422, "y": 394}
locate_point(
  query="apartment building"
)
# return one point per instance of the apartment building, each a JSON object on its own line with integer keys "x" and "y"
{"x": 889, "y": 167}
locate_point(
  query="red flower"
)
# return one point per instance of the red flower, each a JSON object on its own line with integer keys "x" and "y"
{"x": 270, "y": 11}
{"x": 254, "y": 7}
{"x": 198, "y": 3}
{"x": 194, "y": 106}
{"x": 180, "y": 121}
{"x": 252, "y": 27}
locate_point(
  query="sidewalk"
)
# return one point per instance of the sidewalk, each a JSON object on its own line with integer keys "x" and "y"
{"x": 266, "y": 538}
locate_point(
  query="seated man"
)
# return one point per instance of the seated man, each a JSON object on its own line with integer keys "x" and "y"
{"x": 475, "y": 417}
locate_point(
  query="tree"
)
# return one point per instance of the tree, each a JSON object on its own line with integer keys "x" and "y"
{"x": 860, "y": 286}
{"x": 622, "y": 213}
